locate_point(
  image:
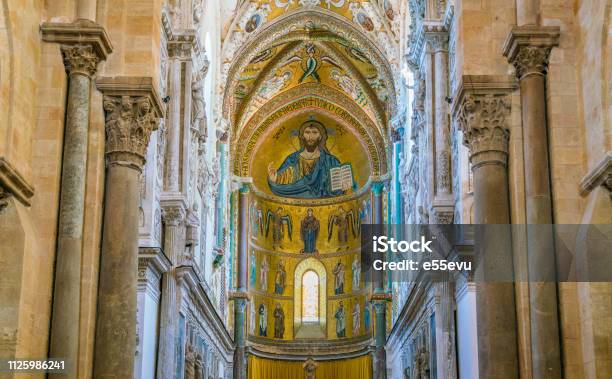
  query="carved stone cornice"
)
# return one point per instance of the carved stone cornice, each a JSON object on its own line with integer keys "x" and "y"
{"x": 80, "y": 59}
{"x": 528, "y": 48}
{"x": 482, "y": 110}
{"x": 81, "y": 32}
{"x": 601, "y": 175}
{"x": 182, "y": 45}
{"x": 132, "y": 110}
{"x": 13, "y": 184}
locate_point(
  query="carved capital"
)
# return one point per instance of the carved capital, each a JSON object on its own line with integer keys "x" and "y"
{"x": 482, "y": 112}
{"x": 528, "y": 48}
{"x": 442, "y": 215}
{"x": 132, "y": 111}
{"x": 129, "y": 123}
{"x": 173, "y": 215}
{"x": 437, "y": 37}
{"x": 80, "y": 59}
{"x": 181, "y": 46}
{"x": 483, "y": 121}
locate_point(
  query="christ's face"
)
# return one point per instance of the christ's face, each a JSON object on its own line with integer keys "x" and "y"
{"x": 309, "y": 213}
{"x": 311, "y": 137}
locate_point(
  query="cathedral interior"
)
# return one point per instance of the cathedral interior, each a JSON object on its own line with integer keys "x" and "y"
{"x": 185, "y": 187}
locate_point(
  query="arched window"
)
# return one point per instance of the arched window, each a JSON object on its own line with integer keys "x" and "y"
{"x": 310, "y": 297}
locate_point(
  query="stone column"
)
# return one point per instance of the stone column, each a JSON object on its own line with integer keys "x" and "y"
{"x": 379, "y": 298}
{"x": 443, "y": 202}
{"x": 240, "y": 297}
{"x": 445, "y": 328}
{"x": 132, "y": 109}
{"x": 173, "y": 213}
{"x": 83, "y": 46}
{"x": 482, "y": 109}
{"x": 528, "y": 49}
{"x": 86, "y": 10}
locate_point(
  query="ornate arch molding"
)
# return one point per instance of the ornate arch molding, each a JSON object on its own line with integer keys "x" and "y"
{"x": 304, "y": 99}
{"x": 324, "y": 41}
{"x": 285, "y": 29}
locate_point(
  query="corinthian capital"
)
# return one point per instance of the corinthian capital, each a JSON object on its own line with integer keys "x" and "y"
{"x": 482, "y": 119}
{"x": 132, "y": 110}
{"x": 129, "y": 123}
{"x": 482, "y": 111}
{"x": 80, "y": 59}
{"x": 528, "y": 48}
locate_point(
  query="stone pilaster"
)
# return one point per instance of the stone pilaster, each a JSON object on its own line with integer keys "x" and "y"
{"x": 482, "y": 110}
{"x": 132, "y": 109}
{"x": 173, "y": 214}
{"x": 528, "y": 48}
{"x": 442, "y": 207}
{"x": 180, "y": 49}
{"x": 83, "y": 45}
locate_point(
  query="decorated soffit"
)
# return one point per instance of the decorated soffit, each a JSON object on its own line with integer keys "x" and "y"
{"x": 314, "y": 54}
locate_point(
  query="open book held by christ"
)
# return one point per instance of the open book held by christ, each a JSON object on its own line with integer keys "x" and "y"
{"x": 341, "y": 178}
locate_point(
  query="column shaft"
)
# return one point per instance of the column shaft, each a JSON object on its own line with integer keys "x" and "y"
{"x": 116, "y": 328}
{"x": 378, "y": 278}
{"x": 240, "y": 300}
{"x": 173, "y": 247}
{"x": 86, "y": 10}
{"x": 80, "y": 61}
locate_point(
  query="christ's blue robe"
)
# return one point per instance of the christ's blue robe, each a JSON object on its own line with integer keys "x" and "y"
{"x": 316, "y": 184}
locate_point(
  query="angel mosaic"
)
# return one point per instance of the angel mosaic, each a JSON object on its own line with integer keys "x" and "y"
{"x": 344, "y": 221}
{"x": 278, "y": 220}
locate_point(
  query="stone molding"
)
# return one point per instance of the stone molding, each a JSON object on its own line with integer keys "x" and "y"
{"x": 83, "y": 33}
{"x": 528, "y": 48}
{"x": 132, "y": 109}
{"x": 152, "y": 263}
{"x": 13, "y": 184}
{"x": 482, "y": 110}
{"x": 601, "y": 175}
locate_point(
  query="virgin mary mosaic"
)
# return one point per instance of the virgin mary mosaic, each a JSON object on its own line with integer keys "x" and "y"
{"x": 312, "y": 171}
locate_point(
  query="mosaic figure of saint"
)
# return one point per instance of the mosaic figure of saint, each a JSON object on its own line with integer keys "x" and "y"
{"x": 366, "y": 316}
{"x": 340, "y": 324}
{"x": 356, "y": 267}
{"x": 263, "y": 320}
{"x": 279, "y": 322}
{"x": 263, "y": 273}
{"x": 344, "y": 222}
{"x": 309, "y": 230}
{"x": 280, "y": 279}
{"x": 356, "y": 318}
{"x": 252, "y": 269}
{"x": 252, "y": 318}
{"x": 257, "y": 224}
{"x": 278, "y": 220}
{"x": 306, "y": 172}
{"x": 338, "y": 272}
